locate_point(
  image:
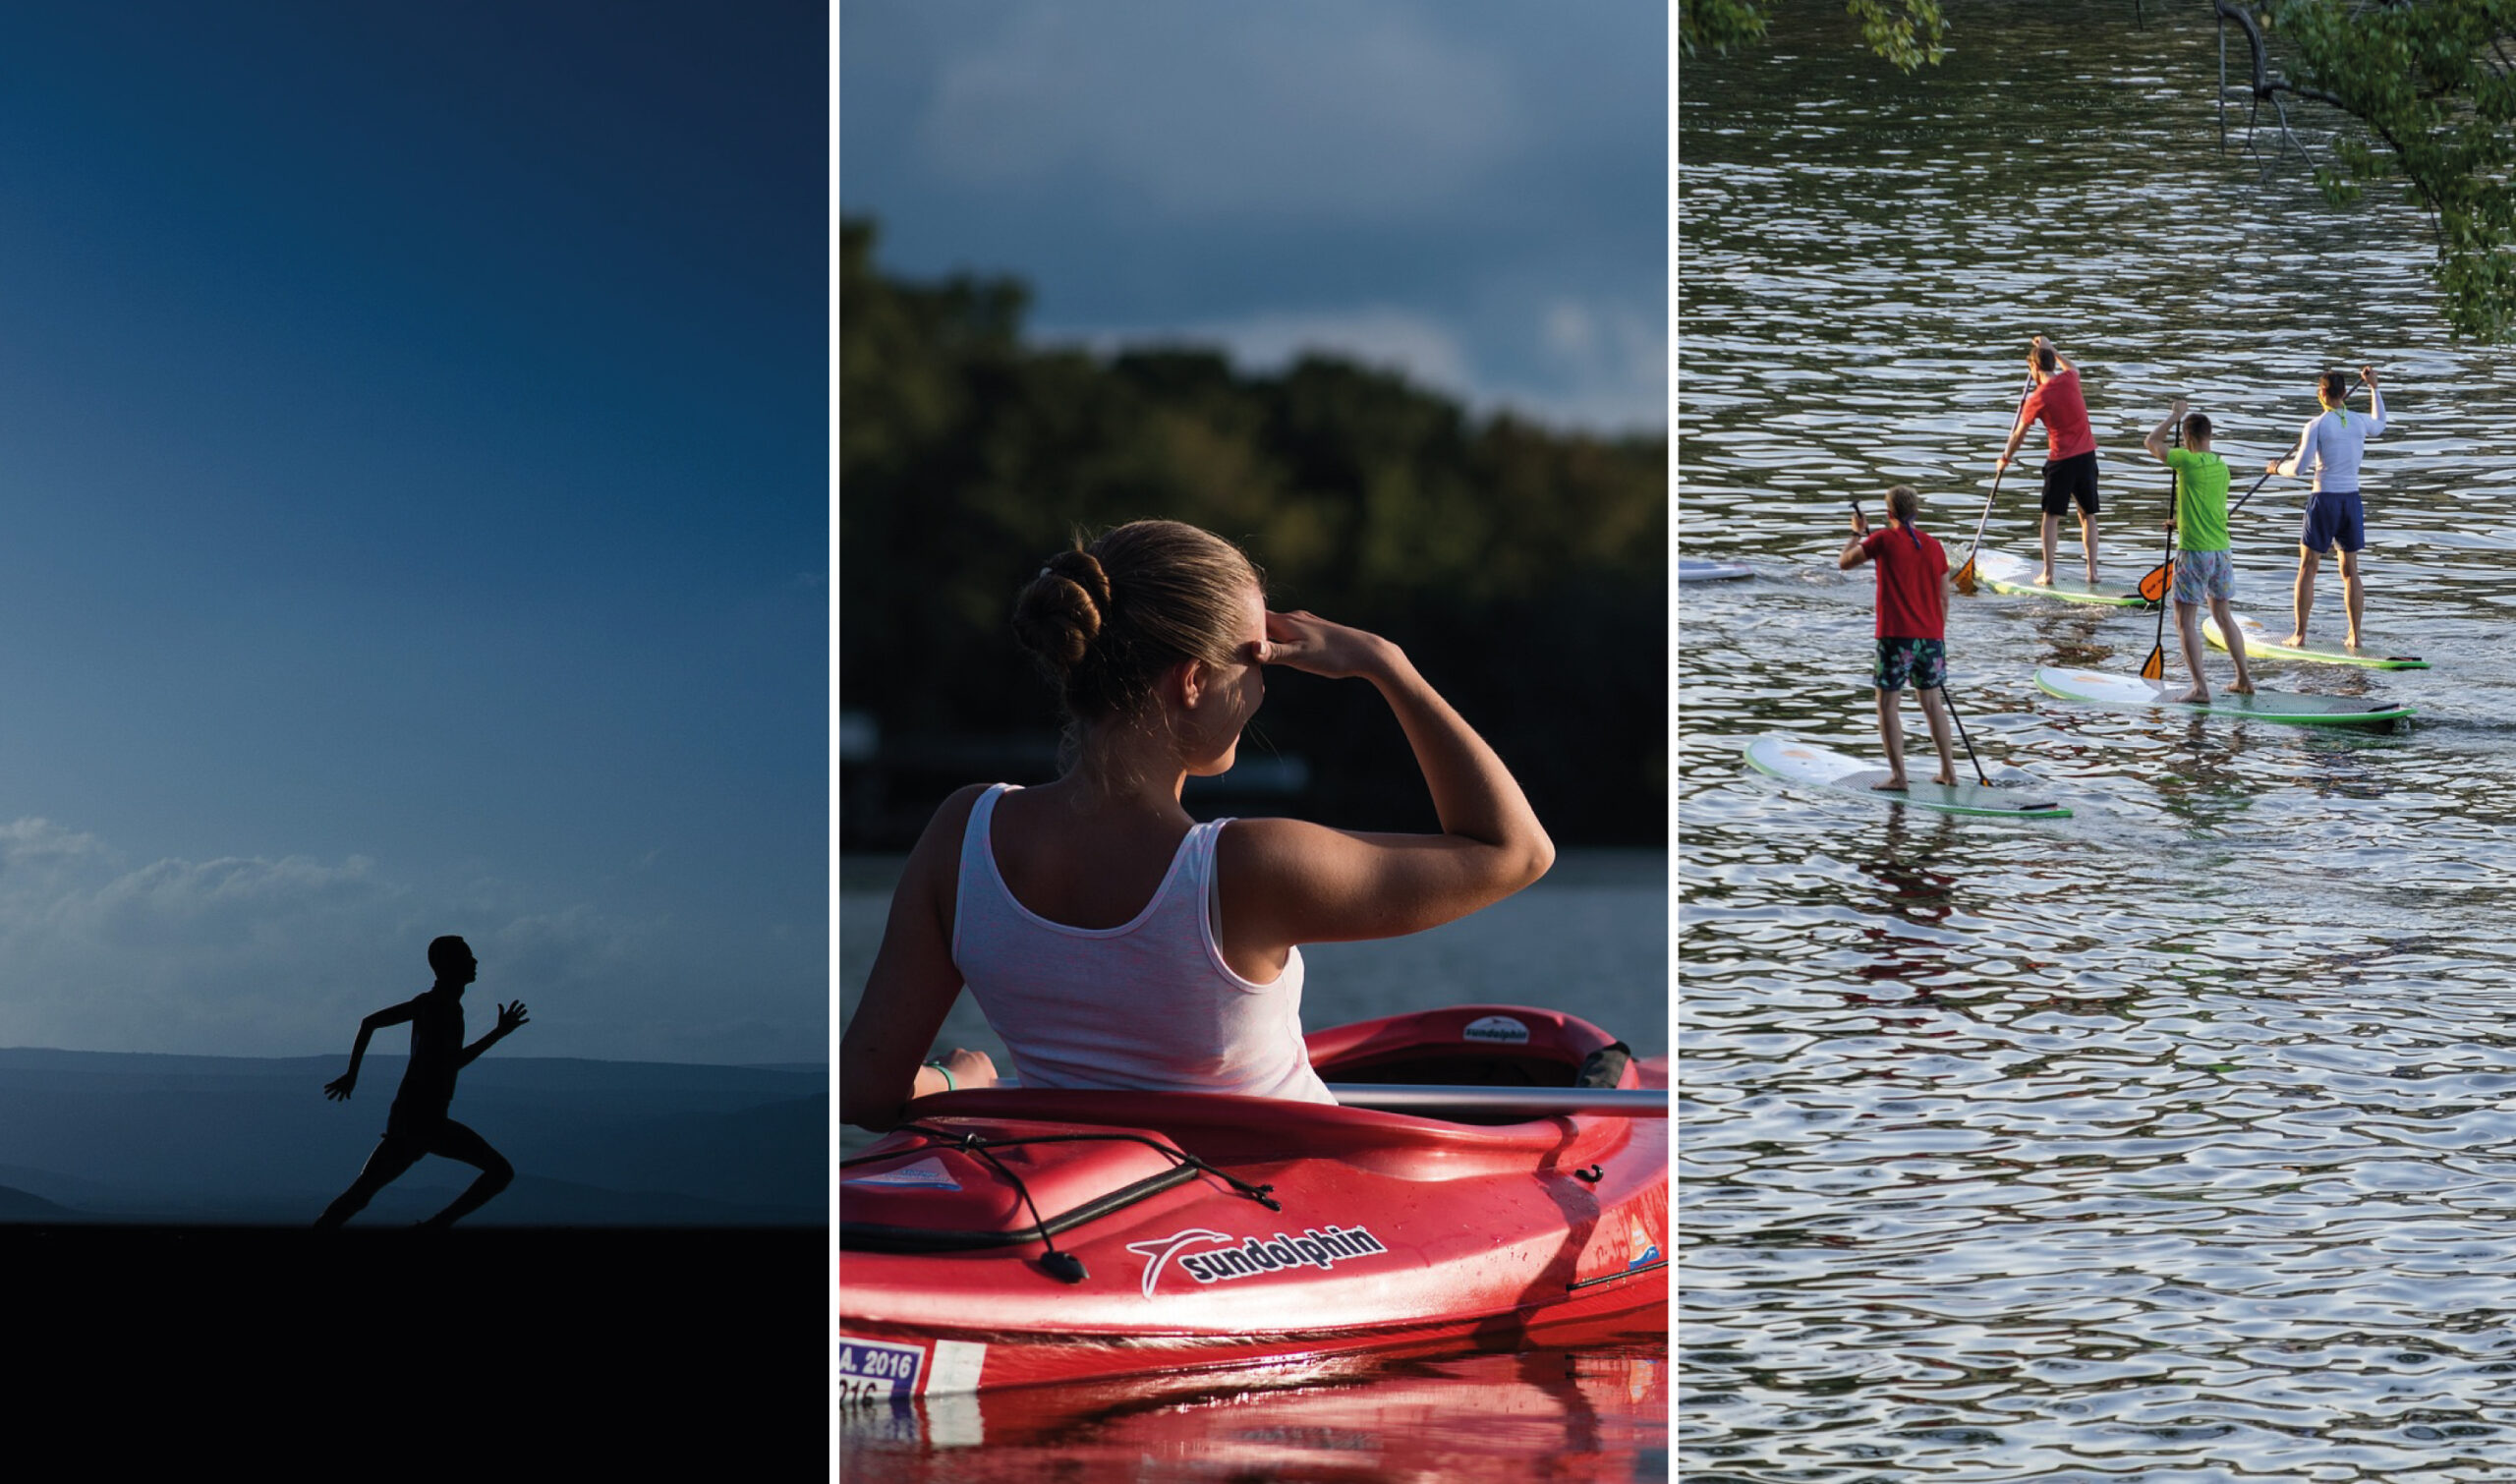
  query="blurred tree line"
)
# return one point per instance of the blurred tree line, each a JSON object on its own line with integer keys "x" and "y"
{"x": 1523, "y": 570}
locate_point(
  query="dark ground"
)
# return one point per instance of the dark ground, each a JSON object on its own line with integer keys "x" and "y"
{"x": 381, "y": 1348}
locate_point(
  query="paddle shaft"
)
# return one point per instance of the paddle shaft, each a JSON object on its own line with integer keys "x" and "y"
{"x": 2155, "y": 665}
{"x": 1965, "y": 572}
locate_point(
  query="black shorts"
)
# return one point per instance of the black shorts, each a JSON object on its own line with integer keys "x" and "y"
{"x": 2069, "y": 479}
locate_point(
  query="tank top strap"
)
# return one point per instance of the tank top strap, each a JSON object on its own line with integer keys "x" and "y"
{"x": 976, "y": 873}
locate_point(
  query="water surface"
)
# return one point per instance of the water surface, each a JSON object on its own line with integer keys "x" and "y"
{"x": 2171, "y": 1141}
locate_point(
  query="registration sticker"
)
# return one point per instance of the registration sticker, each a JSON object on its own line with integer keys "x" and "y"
{"x": 887, "y": 1370}
{"x": 875, "y": 1369}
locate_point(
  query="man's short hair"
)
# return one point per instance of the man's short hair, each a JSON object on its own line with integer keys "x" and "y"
{"x": 2197, "y": 429}
{"x": 2045, "y": 358}
{"x": 441, "y": 952}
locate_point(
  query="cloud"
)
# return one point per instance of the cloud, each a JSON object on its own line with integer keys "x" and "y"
{"x": 1415, "y": 345}
{"x": 1599, "y": 366}
{"x": 1302, "y": 108}
{"x": 250, "y": 956}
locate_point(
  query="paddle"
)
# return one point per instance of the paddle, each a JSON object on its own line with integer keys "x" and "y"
{"x": 1963, "y": 578}
{"x": 2155, "y": 668}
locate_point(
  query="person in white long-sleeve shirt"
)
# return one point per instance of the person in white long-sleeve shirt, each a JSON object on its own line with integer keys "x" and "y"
{"x": 2334, "y": 440}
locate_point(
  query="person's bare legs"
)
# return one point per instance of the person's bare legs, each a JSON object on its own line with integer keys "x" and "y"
{"x": 1935, "y": 713}
{"x": 2052, "y": 537}
{"x": 2087, "y": 544}
{"x": 1891, "y": 731}
{"x": 2188, "y": 631}
{"x": 2226, "y": 618}
{"x": 393, "y": 1157}
{"x": 453, "y": 1141}
{"x": 2301, "y": 600}
{"x": 2353, "y": 600}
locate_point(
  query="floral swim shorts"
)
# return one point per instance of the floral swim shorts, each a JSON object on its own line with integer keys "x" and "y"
{"x": 1923, "y": 661}
{"x": 2201, "y": 576}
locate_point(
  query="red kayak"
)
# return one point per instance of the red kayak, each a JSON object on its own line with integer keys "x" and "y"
{"x": 1013, "y": 1236}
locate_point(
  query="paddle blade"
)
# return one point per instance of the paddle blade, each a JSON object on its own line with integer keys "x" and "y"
{"x": 1963, "y": 578}
{"x": 2153, "y": 587}
{"x": 2155, "y": 668}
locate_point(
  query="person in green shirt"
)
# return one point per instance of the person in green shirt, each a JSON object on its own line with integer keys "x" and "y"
{"x": 2202, "y": 571}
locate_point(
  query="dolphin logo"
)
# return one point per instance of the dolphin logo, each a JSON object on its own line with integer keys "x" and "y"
{"x": 1159, "y": 1253}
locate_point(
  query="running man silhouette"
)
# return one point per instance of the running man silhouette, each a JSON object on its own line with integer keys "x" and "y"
{"x": 418, "y": 1125}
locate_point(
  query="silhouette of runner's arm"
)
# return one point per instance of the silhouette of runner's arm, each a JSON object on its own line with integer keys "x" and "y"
{"x": 509, "y": 1017}
{"x": 339, "y": 1088}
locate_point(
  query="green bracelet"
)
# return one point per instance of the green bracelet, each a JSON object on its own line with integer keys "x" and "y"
{"x": 949, "y": 1083}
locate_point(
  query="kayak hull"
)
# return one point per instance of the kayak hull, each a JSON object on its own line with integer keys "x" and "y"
{"x": 1376, "y": 1233}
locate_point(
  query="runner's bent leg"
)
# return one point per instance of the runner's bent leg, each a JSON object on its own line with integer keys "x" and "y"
{"x": 393, "y": 1156}
{"x": 456, "y": 1142}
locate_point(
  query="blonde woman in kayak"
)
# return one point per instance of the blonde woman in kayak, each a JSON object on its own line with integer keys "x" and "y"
{"x": 1110, "y": 939}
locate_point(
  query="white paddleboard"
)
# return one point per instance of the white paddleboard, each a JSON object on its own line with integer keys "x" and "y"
{"x": 2106, "y": 689}
{"x": 1691, "y": 570}
{"x": 1807, "y": 763}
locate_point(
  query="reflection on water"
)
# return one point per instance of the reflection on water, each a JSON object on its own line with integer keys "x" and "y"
{"x": 2171, "y": 1139}
{"x": 1597, "y": 1415}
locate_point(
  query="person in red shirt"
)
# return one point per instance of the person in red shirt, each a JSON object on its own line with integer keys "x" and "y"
{"x": 2070, "y": 450}
{"x": 1913, "y": 626}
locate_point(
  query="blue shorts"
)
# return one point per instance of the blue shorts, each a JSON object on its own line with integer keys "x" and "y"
{"x": 1923, "y": 661}
{"x": 2201, "y": 576}
{"x": 2333, "y": 519}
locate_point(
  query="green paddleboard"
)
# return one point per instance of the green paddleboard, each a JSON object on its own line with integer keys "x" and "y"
{"x": 2260, "y": 642}
{"x": 1796, "y": 762}
{"x": 2262, "y": 706}
{"x": 2014, "y": 575}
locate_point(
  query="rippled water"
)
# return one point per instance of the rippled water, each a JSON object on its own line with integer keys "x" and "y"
{"x": 2171, "y": 1140}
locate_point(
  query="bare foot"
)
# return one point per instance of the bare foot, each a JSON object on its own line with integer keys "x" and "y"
{"x": 1946, "y": 780}
{"x": 2193, "y": 696}
{"x": 2351, "y": 644}
{"x": 2044, "y": 579}
{"x": 2242, "y": 688}
{"x": 2295, "y": 639}
{"x": 1894, "y": 784}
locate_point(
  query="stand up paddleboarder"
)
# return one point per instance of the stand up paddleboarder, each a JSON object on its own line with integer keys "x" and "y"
{"x": 2203, "y": 572}
{"x": 2070, "y": 451}
{"x": 417, "y": 1125}
{"x": 2334, "y": 440}
{"x": 1913, "y": 627}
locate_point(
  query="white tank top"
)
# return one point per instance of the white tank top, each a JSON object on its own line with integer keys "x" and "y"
{"x": 1148, "y": 1006}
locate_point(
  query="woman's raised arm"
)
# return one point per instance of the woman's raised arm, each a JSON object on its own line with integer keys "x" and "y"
{"x": 1286, "y": 881}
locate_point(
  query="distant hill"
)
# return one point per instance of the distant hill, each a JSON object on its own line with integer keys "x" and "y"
{"x": 122, "y": 1137}
{"x": 19, "y": 1206}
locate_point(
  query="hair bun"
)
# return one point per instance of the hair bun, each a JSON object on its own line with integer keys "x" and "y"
{"x": 1061, "y": 613}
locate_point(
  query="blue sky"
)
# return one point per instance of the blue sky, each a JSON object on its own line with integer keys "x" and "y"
{"x": 1470, "y": 190}
{"x": 412, "y": 454}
